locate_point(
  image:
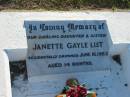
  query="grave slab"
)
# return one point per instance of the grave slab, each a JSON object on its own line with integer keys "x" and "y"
{"x": 66, "y": 49}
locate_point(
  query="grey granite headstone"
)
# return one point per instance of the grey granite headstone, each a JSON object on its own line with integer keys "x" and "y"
{"x": 67, "y": 46}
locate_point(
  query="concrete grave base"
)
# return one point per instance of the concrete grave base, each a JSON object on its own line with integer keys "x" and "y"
{"x": 106, "y": 83}
{"x": 13, "y": 39}
{"x": 109, "y": 83}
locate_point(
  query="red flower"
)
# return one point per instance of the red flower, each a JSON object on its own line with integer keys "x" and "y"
{"x": 77, "y": 91}
{"x": 82, "y": 92}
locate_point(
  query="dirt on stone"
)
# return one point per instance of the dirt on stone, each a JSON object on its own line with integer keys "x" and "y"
{"x": 18, "y": 68}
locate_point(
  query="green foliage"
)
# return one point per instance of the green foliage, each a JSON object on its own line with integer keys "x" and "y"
{"x": 114, "y": 8}
{"x": 129, "y": 4}
{"x": 4, "y": 1}
{"x": 66, "y": 4}
{"x": 121, "y": 3}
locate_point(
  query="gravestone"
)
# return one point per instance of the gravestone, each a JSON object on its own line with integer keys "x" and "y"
{"x": 65, "y": 48}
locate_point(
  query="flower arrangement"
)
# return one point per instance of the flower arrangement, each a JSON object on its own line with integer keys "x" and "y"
{"x": 74, "y": 89}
